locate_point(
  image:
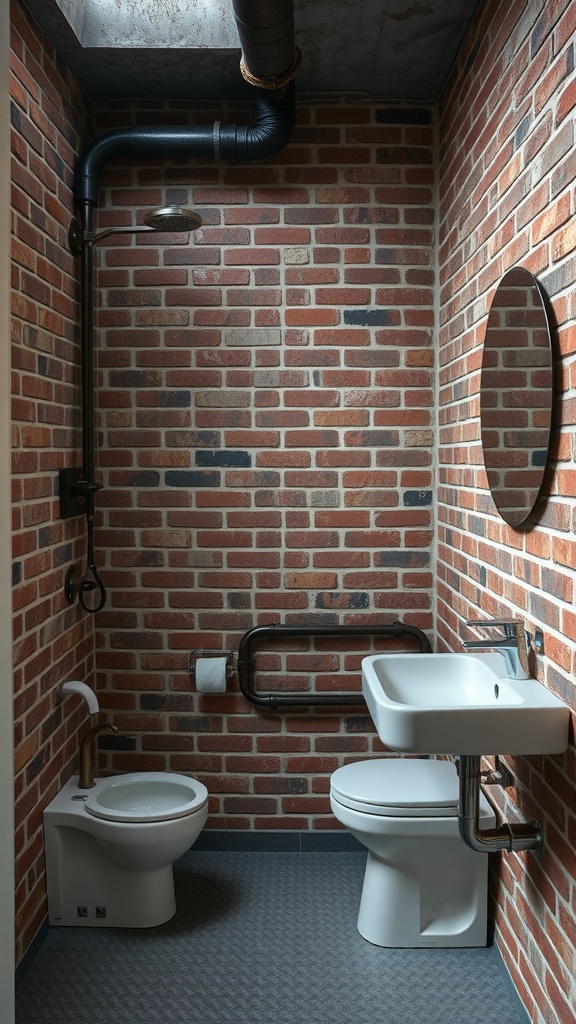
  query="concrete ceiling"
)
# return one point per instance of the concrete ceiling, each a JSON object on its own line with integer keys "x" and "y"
{"x": 189, "y": 49}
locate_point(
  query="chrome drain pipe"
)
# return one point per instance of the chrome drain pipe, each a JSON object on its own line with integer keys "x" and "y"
{"x": 525, "y": 835}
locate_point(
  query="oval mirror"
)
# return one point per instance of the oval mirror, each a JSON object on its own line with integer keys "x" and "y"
{"x": 516, "y": 395}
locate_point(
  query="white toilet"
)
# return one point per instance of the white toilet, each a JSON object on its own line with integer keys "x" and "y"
{"x": 422, "y": 886}
{"x": 110, "y": 849}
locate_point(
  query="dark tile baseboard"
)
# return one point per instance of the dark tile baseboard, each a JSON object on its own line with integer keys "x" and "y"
{"x": 278, "y": 842}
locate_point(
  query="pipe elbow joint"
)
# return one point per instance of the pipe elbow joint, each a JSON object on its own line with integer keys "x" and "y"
{"x": 274, "y": 121}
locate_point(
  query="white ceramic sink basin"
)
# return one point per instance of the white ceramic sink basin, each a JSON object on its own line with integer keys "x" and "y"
{"x": 461, "y": 704}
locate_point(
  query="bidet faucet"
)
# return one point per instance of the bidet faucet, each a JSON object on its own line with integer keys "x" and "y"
{"x": 89, "y": 754}
{"x": 511, "y": 640}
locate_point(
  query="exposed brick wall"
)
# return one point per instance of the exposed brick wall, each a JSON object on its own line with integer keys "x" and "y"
{"x": 52, "y": 641}
{"x": 267, "y": 439}
{"x": 507, "y": 170}
{"x": 266, "y": 423}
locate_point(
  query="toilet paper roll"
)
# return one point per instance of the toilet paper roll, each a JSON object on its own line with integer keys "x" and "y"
{"x": 211, "y": 675}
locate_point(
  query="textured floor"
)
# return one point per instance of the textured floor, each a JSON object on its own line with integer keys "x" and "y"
{"x": 259, "y": 938}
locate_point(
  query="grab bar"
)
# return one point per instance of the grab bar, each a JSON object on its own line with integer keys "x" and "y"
{"x": 395, "y": 631}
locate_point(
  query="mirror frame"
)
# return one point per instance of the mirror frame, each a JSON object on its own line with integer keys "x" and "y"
{"x": 517, "y": 368}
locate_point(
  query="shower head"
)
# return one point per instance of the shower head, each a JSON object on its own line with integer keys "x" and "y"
{"x": 169, "y": 219}
{"x": 173, "y": 218}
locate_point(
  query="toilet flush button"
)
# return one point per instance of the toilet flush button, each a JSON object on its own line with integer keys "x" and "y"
{"x": 437, "y": 908}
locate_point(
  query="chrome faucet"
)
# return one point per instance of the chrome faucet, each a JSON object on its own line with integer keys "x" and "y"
{"x": 89, "y": 755}
{"x": 511, "y": 641}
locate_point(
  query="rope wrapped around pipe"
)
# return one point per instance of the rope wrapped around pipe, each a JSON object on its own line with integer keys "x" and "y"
{"x": 278, "y": 81}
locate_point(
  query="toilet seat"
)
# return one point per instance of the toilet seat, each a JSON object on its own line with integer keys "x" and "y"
{"x": 398, "y": 787}
{"x": 145, "y": 797}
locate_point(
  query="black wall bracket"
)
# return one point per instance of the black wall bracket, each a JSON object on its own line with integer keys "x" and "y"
{"x": 72, "y": 501}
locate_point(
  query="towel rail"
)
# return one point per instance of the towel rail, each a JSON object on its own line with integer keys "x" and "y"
{"x": 394, "y": 631}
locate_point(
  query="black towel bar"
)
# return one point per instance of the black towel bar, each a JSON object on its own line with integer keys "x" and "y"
{"x": 394, "y": 631}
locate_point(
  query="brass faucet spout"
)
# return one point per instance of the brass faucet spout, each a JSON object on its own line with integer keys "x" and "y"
{"x": 89, "y": 754}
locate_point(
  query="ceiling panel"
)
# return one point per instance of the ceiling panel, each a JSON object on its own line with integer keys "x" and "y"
{"x": 118, "y": 49}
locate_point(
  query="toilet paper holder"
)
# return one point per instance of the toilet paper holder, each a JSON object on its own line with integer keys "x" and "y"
{"x": 202, "y": 653}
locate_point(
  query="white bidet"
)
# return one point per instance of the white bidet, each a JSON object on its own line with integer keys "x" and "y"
{"x": 110, "y": 849}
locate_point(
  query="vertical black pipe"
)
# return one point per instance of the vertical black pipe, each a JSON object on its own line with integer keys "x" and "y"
{"x": 87, "y": 485}
{"x": 87, "y": 353}
{"x": 266, "y": 33}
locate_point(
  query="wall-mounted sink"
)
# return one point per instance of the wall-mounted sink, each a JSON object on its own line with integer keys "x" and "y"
{"x": 461, "y": 704}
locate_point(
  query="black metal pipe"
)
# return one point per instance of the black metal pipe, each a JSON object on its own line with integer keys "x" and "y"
{"x": 274, "y": 120}
{"x": 394, "y": 631}
{"x": 266, "y": 29}
{"x": 87, "y": 352}
{"x": 87, "y": 485}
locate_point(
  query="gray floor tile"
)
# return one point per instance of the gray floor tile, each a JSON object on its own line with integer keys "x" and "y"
{"x": 259, "y": 938}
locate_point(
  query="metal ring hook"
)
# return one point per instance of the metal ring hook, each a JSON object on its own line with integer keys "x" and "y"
{"x": 87, "y": 585}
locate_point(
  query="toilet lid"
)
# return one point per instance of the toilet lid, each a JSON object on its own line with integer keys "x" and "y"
{"x": 398, "y": 787}
{"x": 145, "y": 796}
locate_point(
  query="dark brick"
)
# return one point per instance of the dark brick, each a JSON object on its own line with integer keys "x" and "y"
{"x": 223, "y": 457}
{"x": 173, "y": 399}
{"x": 250, "y": 805}
{"x": 44, "y": 536}
{"x": 560, "y": 278}
{"x": 166, "y": 702}
{"x": 522, "y": 131}
{"x": 477, "y": 526}
{"x": 282, "y": 785}
{"x": 236, "y": 600}
{"x": 358, "y": 723}
{"x": 134, "y": 378}
{"x": 369, "y": 317}
{"x": 346, "y": 600}
{"x": 51, "y": 723}
{"x": 403, "y": 115}
{"x": 197, "y": 723}
{"x": 417, "y": 498}
{"x": 472, "y": 57}
{"x": 191, "y": 478}
{"x": 402, "y": 559}
{"x": 111, "y": 742}
{"x": 62, "y": 554}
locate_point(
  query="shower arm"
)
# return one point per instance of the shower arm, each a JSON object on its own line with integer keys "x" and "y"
{"x": 79, "y": 236}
